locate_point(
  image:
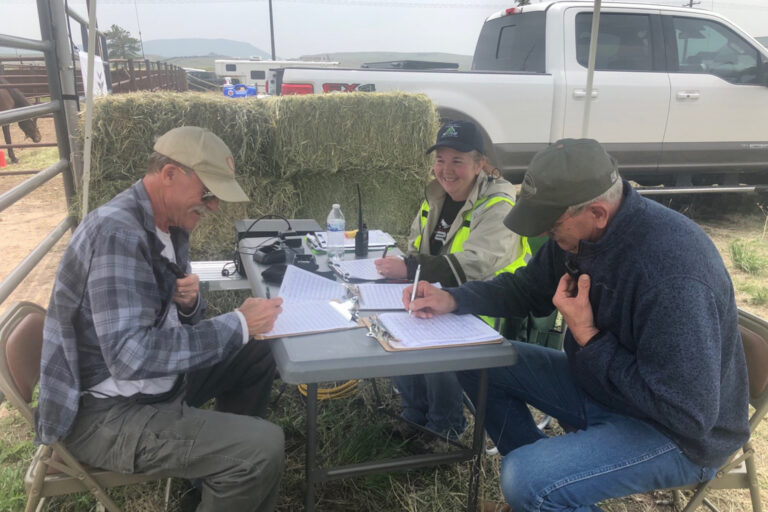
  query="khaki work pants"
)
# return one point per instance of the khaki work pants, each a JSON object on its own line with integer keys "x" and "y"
{"x": 238, "y": 457}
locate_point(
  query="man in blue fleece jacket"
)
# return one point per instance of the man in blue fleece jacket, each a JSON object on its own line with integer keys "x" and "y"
{"x": 653, "y": 375}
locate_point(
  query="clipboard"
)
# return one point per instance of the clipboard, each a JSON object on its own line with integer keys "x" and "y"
{"x": 326, "y": 317}
{"x": 389, "y": 343}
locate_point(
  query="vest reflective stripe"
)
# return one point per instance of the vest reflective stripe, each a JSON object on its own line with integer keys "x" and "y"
{"x": 462, "y": 234}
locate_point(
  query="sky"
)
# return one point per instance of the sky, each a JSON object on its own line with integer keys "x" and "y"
{"x": 304, "y": 27}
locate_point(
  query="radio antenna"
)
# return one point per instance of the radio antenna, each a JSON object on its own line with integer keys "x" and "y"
{"x": 359, "y": 208}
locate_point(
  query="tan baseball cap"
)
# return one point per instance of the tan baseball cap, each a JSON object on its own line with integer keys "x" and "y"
{"x": 206, "y": 154}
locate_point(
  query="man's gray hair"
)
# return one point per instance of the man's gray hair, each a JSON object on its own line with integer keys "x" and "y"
{"x": 157, "y": 161}
{"x": 610, "y": 196}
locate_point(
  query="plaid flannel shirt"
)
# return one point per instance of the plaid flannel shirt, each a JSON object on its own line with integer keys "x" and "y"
{"x": 112, "y": 292}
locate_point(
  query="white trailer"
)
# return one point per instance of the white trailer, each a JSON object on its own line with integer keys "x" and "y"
{"x": 253, "y": 72}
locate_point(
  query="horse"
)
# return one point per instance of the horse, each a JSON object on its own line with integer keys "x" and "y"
{"x": 12, "y": 98}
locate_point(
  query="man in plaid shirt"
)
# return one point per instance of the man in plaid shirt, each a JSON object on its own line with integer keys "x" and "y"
{"x": 127, "y": 357}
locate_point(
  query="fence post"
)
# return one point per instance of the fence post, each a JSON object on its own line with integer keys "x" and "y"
{"x": 147, "y": 68}
{"x": 61, "y": 87}
{"x": 132, "y": 75}
{"x": 166, "y": 77}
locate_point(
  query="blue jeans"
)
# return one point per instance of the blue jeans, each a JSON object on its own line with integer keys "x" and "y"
{"x": 434, "y": 400}
{"x": 611, "y": 455}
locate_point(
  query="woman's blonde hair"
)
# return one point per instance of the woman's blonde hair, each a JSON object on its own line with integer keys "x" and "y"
{"x": 488, "y": 169}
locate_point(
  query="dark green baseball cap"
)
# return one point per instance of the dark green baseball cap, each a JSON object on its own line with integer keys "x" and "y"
{"x": 568, "y": 172}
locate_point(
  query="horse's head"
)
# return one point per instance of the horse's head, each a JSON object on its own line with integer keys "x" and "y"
{"x": 29, "y": 127}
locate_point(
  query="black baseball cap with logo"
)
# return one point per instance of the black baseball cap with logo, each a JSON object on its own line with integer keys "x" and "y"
{"x": 459, "y": 135}
{"x": 569, "y": 172}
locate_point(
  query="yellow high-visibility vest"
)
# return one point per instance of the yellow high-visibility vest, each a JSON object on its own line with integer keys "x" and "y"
{"x": 463, "y": 233}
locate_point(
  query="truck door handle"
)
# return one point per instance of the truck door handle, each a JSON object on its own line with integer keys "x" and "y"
{"x": 688, "y": 95}
{"x": 582, "y": 93}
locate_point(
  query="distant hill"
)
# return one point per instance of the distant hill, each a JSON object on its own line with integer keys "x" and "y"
{"x": 355, "y": 59}
{"x": 187, "y": 47}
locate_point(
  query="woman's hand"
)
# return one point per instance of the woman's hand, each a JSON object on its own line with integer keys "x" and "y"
{"x": 392, "y": 267}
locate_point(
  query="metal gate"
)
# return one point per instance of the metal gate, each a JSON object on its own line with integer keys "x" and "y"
{"x": 55, "y": 46}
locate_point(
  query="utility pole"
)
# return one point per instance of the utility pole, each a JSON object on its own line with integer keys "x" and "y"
{"x": 691, "y": 3}
{"x": 272, "y": 30}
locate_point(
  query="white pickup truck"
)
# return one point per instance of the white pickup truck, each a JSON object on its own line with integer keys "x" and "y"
{"x": 680, "y": 95}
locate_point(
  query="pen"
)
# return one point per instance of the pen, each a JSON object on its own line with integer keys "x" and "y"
{"x": 386, "y": 248}
{"x": 268, "y": 295}
{"x": 415, "y": 285}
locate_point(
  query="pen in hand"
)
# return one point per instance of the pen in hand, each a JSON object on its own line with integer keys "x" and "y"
{"x": 415, "y": 285}
{"x": 268, "y": 294}
{"x": 386, "y": 248}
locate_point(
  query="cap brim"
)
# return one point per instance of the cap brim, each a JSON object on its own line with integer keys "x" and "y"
{"x": 531, "y": 219}
{"x": 458, "y": 146}
{"x": 226, "y": 189}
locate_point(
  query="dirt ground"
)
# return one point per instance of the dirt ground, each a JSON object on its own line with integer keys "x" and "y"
{"x": 26, "y": 223}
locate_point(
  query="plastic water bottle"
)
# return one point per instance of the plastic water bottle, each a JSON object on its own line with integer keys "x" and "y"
{"x": 335, "y": 230}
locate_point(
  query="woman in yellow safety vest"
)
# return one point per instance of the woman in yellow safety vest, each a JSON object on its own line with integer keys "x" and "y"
{"x": 457, "y": 236}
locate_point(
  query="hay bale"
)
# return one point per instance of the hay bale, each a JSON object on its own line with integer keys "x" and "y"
{"x": 125, "y": 127}
{"x": 332, "y": 133}
{"x": 295, "y": 156}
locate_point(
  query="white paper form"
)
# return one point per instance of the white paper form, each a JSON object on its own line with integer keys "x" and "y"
{"x": 442, "y": 330}
{"x": 360, "y": 269}
{"x": 302, "y": 317}
{"x": 381, "y": 295}
{"x": 300, "y": 285}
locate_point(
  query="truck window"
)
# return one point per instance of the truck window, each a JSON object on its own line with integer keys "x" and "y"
{"x": 511, "y": 43}
{"x": 231, "y": 67}
{"x": 623, "y": 41}
{"x": 705, "y": 46}
{"x": 258, "y": 75}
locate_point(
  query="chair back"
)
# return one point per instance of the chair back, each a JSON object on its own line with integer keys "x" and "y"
{"x": 21, "y": 342}
{"x": 754, "y": 336}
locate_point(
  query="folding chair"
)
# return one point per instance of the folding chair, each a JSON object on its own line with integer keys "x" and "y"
{"x": 54, "y": 471}
{"x": 740, "y": 471}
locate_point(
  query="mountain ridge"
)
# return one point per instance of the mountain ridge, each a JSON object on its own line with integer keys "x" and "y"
{"x": 184, "y": 47}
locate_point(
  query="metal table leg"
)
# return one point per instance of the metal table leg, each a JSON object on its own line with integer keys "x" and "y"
{"x": 309, "y": 493}
{"x": 478, "y": 440}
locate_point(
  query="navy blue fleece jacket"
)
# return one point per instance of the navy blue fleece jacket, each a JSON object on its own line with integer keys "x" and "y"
{"x": 669, "y": 350}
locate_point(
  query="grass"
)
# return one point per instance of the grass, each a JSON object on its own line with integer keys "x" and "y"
{"x": 748, "y": 256}
{"x": 37, "y": 160}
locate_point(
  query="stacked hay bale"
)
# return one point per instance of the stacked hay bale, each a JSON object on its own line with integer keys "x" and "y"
{"x": 294, "y": 155}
